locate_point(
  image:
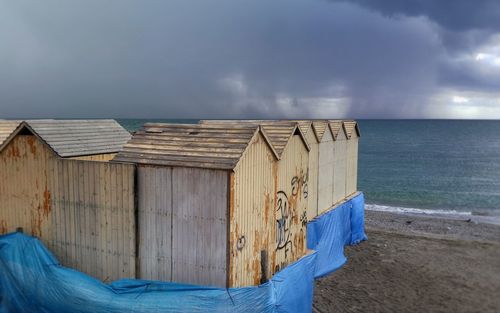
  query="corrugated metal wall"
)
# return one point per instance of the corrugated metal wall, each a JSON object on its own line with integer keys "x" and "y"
{"x": 352, "y": 164}
{"x": 252, "y": 216}
{"x": 326, "y": 172}
{"x": 83, "y": 211}
{"x": 183, "y": 225}
{"x": 291, "y": 204}
{"x": 26, "y": 168}
{"x": 155, "y": 223}
{"x": 312, "y": 176}
{"x": 96, "y": 157}
{"x": 340, "y": 167}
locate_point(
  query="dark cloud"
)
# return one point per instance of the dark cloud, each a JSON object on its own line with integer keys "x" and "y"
{"x": 230, "y": 58}
{"x": 453, "y": 15}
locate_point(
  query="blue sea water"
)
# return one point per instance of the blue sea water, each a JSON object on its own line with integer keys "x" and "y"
{"x": 425, "y": 165}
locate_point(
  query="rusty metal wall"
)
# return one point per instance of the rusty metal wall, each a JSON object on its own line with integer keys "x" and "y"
{"x": 183, "y": 224}
{"x": 96, "y": 157}
{"x": 352, "y": 164}
{"x": 83, "y": 211}
{"x": 311, "y": 180}
{"x": 291, "y": 204}
{"x": 340, "y": 167}
{"x": 26, "y": 168}
{"x": 252, "y": 217}
{"x": 326, "y": 172}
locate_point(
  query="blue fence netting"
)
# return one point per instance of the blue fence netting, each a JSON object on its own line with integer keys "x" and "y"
{"x": 32, "y": 280}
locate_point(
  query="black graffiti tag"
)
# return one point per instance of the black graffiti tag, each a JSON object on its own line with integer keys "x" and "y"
{"x": 283, "y": 223}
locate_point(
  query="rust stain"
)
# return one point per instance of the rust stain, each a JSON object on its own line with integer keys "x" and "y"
{"x": 46, "y": 202}
{"x": 31, "y": 143}
{"x": 256, "y": 271}
{"x": 36, "y": 223}
{"x": 256, "y": 243}
{"x": 3, "y": 227}
{"x": 13, "y": 152}
{"x": 267, "y": 204}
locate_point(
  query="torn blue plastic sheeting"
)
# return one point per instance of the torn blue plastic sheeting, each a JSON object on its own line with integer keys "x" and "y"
{"x": 32, "y": 280}
{"x": 330, "y": 232}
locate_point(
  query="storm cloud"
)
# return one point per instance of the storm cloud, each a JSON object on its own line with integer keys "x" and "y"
{"x": 249, "y": 59}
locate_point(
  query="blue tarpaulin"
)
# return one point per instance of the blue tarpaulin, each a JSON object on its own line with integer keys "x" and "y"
{"x": 329, "y": 233}
{"x": 32, "y": 280}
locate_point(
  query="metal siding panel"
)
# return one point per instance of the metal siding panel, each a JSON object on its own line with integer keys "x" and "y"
{"x": 155, "y": 218}
{"x": 252, "y": 221}
{"x": 200, "y": 207}
{"x": 60, "y": 202}
{"x": 340, "y": 168}
{"x": 312, "y": 176}
{"x": 352, "y": 164}
{"x": 326, "y": 172}
{"x": 291, "y": 240}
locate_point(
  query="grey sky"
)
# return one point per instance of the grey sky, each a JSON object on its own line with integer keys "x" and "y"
{"x": 250, "y": 59}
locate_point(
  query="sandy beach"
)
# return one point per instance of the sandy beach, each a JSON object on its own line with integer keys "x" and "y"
{"x": 417, "y": 263}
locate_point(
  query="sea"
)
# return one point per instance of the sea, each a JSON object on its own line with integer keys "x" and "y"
{"x": 436, "y": 167}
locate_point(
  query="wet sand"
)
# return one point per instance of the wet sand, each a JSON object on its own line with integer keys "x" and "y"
{"x": 417, "y": 264}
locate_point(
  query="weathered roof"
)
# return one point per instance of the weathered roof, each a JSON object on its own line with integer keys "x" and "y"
{"x": 336, "y": 126}
{"x": 215, "y": 146}
{"x": 278, "y": 131}
{"x": 7, "y": 127}
{"x": 69, "y": 138}
{"x": 304, "y": 125}
{"x": 319, "y": 128}
{"x": 351, "y": 126}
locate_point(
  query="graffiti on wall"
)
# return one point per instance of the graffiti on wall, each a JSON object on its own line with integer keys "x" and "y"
{"x": 287, "y": 212}
{"x": 283, "y": 223}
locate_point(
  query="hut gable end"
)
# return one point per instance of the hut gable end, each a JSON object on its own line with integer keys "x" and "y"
{"x": 24, "y": 129}
{"x": 351, "y": 128}
{"x": 337, "y": 127}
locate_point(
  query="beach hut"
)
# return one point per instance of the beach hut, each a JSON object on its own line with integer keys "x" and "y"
{"x": 291, "y": 198}
{"x": 215, "y": 206}
{"x": 325, "y": 165}
{"x": 352, "y": 134}
{"x": 81, "y": 210}
{"x": 205, "y": 199}
{"x": 340, "y": 160}
{"x": 311, "y": 179}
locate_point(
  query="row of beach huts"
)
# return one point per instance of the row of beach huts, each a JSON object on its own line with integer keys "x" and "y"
{"x": 221, "y": 202}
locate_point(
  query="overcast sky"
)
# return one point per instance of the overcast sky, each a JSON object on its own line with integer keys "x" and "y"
{"x": 250, "y": 59}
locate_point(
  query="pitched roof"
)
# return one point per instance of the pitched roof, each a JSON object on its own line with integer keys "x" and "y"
{"x": 336, "y": 126}
{"x": 7, "y": 127}
{"x": 215, "y": 146}
{"x": 319, "y": 128}
{"x": 351, "y": 126}
{"x": 304, "y": 125}
{"x": 68, "y": 138}
{"x": 278, "y": 131}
